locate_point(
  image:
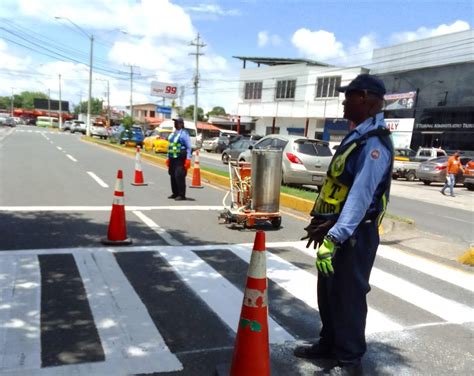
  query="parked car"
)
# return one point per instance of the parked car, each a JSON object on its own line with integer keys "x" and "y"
{"x": 133, "y": 135}
{"x": 66, "y": 125}
{"x": 78, "y": 126}
{"x": 10, "y": 122}
{"x": 235, "y": 149}
{"x": 425, "y": 154}
{"x": 305, "y": 160}
{"x": 188, "y": 125}
{"x": 211, "y": 144}
{"x": 435, "y": 170}
{"x": 99, "y": 130}
{"x": 157, "y": 141}
{"x": 469, "y": 175}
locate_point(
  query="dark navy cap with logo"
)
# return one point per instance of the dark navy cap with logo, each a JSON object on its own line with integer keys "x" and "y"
{"x": 178, "y": 120}
{"x": 365, "y": 81}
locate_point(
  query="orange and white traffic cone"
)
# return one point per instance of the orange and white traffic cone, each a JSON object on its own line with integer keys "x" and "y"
{"x": 196, "y": 183}
{"x": 138, "y": 169}
{"x": 252, "y": 351}
{"x": 117, "y": 232}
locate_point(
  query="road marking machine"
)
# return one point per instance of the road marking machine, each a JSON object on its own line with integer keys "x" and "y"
{"x": 254, "y": 190}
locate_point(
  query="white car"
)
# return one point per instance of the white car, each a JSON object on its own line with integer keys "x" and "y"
{"x": 99, "y": 130}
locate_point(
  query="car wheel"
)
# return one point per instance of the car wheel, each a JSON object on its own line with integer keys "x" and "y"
{"x": 394, "y": 177}
{"x": 225, "y": 158}
{"x": 411, "y": 176}
{"x": 470, "y": 187}
{"x": 426, "y": 182}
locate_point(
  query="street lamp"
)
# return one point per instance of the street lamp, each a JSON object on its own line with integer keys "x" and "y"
{"x": 91, "y": 37}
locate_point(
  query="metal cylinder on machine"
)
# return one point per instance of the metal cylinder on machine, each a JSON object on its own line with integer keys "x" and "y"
{"x": 266, "y": 180}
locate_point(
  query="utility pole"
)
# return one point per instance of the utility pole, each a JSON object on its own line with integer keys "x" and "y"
{"x": 88, "y": 127}
{"x": 181, "y": 96}
{"x": 49, "y": 104}
{"x": 131, "y": 89}
{"x": 108, "y": 102}
{"x": 11, "y": 109}
{"x": 196, "y": 76}
{"x": 60, "y": 105}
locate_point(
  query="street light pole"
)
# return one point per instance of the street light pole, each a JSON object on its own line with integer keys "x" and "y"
{"x": 11, "y": 109}
{"x": 60, "y": 105}
{"x": 49, "y": 104}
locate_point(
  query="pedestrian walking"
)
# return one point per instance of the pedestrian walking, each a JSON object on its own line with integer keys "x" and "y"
{"x": 179, "y": 159}
{"x": 454, "y": 167}
{"x": 344, "y": 227}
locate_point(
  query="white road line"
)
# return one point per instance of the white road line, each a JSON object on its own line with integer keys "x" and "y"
{"x": 447, "y": 309}
{"x": 292, "y": 279}
{"x": 130, "y": 339}
{"x": 220, "y": 295}
{"x": 434, "y": 269}
{"x": 155, "y": 227}
{"x": 97, "y": 179}
{"x": 106, "y": 208}
{"x": 21, "y": 349}
{"x": 456, "y": 219}
{"x": 71, "y": 158}
{"x": 59, "y": 148}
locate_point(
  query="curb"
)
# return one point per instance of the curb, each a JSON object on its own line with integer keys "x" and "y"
{"x": 468, "y": 257}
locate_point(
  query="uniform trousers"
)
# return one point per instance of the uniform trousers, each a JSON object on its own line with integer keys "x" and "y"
{"x": 177, "y": 174}
{"x": 342, "y": 296}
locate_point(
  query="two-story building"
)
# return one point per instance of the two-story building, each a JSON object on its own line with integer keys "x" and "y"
{"x": 293, "y": 96}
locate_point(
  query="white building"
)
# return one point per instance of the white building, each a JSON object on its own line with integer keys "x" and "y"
{"x": 292, "y": 96}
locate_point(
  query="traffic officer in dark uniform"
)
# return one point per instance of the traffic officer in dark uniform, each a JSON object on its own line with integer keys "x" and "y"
{"x": 179, "y": 159}
{"x": 344, "y": 227}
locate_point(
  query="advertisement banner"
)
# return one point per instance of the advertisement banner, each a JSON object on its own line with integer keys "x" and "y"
{"x": 402, "y": 131}
{"x": 164, "y": 90}
{"x": 400, "y": 101}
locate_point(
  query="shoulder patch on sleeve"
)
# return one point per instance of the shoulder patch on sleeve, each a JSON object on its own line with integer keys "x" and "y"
{"x": 375, "y": 153}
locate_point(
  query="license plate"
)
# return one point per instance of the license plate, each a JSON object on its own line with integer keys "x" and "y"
{"x": 426, "y": 168}
{"x": 317, "y": 178}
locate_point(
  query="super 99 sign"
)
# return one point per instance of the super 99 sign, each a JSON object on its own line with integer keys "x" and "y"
{"x": 164, "y": 90}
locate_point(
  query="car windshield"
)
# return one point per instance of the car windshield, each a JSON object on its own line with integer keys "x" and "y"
{"x": 309, "y": 147}
{"x": 405, "y": 153}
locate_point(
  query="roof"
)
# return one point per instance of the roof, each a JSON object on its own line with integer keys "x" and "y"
{"x": 207, "y": 127}
{"x": 279, "y": 61}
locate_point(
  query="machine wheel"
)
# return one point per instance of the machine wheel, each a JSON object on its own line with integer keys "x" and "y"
{"x": 276, "y": 222}
{"x": 225, "y": 158}
{"x": 394, "y": 177}
{"x": 469, "y": 186}
{"x": 410, "y": 176}
{"x": 426, "y": 182}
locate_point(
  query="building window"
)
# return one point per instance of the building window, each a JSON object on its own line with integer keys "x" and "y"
{"x": 285, "y": 89}
{"x": 152, "y": 113}
{"x": 268, "y": 130}
{"x": 253, "y": 90}
{"x": 326, "y": 87}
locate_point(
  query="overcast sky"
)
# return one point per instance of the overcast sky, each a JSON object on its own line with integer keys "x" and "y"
{"x": 154, "y": 37}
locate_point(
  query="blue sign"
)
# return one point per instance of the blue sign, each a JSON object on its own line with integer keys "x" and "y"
{"x": 165, "y": 110}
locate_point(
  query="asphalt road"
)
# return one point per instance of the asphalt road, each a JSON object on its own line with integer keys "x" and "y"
{"x": 170, "y": 303}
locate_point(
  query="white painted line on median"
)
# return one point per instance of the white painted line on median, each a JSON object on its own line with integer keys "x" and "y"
{"x": 434, "y": 269}
{"x": 97, "y": 179}
{"x": 59, "y": 148}
{"x": 132, "y": 344}
{"x": 21, "y": 349}
{"x": 159, "y": 230}
{"x": 106, "y": 208}
{"x": 456, "y": 219}
{"x": 71, "y": 158}
{"x": 220, "y": 295}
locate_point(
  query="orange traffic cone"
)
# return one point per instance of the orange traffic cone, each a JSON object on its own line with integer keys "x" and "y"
{"x": 138, "y": 169}
{"x": 251, "y": 351}
{"x": 196, "y": 183}
{"x": 117, "y": 232}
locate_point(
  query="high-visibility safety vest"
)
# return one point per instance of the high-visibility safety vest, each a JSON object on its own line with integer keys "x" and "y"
{"x": 338, "y": 181}
{"x": 174, "y": 147}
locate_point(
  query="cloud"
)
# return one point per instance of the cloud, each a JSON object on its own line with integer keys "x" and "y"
{"x": 318, "y": 45}
{"x": 214, "y": 9}
{"x": 425, "y": 32}
{"x": 264, "y": 39}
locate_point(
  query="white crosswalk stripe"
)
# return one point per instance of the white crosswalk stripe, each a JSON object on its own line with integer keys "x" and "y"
{"x": 129, "y": 335}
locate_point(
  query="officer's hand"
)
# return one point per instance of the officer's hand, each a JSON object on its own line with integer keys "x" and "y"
{"x": 316, "y": 231}
{"x": 187, "y": 164}
{"x": 324, "y": 257}
{"x": 167, "y": 162}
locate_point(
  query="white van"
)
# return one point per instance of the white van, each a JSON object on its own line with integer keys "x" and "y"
{"x": 188, "y": 125}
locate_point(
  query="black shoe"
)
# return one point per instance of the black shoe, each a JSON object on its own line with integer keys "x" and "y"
{"x": 452, "y": 196}
{"x": 180, "y": 198}
{"x": 172, "y": 196}
{"x": 315, "y": 351}
{"x": 347, "y": 370}
{"x": 442, "y": 192}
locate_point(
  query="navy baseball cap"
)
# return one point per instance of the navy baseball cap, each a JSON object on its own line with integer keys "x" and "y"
{"x": 178, "y": 120}
{"x": 365, "y": 81}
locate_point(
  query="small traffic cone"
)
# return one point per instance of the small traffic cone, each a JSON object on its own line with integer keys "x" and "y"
{"x": 196, "y": 183}
{"x": 252, "y": 351}
{"x": 117, "y": 232}
{"x": 138, "y": 169}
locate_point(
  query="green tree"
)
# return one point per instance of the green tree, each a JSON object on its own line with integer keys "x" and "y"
{"x": 188, "y": 113}
{"x": 96, "y": 107}
{"x": 22, "y": 100}
{"x": 217, "y": 111}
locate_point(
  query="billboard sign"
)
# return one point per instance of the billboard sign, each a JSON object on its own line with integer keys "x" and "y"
{"x": 42, "y": 104}
{"x": 402, "y": 131}
{"x": 164, "y": 90}
{"x": 400, "y": 101}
